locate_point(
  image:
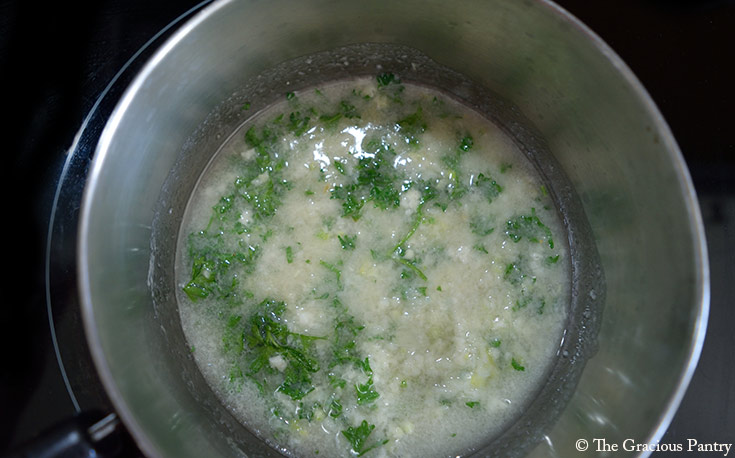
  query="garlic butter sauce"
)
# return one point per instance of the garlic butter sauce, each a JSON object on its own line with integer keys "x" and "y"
{"x": 371, "y": 268}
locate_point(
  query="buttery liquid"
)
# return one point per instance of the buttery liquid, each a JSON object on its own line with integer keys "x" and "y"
{"x": 371, "y": 268}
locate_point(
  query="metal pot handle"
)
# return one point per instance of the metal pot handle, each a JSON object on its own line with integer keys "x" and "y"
{"x": 88, "y": 434}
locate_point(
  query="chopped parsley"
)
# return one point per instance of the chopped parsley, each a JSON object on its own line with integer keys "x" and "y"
{"x": 334, "y": 269}
{"x": 466, "y": 143}
{"x": 366, "y": 392}
{"x": 412, "y": 125}
{"x": 529, "y": 300}
{"x": 489, "y": 187}
{"x": 339, "y": 166}
{"x": 375, "y": 181}
{"x": 516, "y": 365}
{"x": 529, "y": 227}
{"x": 267, "y": 336}
{"x": 390, "y": 85}
{"x": 214, "y": 271}
{"x": 514, "y": 273}
{"x": 298, "y": 123}
{"x": 289, "y": 255}
{"x": 347, "y": 242}
{"x": 335, "y": 408}
{"x": 357, "y": 437}
{"x": 385, "y": 79}
{"x": 265, "y": 342}
{"x": 482, "y": 225}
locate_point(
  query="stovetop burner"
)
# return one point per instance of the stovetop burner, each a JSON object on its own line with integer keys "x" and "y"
{"x": 65, "y": 325}
{"x": 71, "y": 81}
{"x": 53, "y": 376}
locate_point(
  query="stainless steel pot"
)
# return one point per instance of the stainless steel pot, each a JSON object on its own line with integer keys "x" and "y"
{"x": 551, "y": 82}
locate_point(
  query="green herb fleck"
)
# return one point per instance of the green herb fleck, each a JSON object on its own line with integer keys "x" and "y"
{"x": 213, "y": 270}
{"x": 366, "y": 392}
{"x": 357, "y": 438}
{"x": 334, "y": 269}
{"x": 233, "y": 340}
{"x": 516, "y": 365}
{"x": 411, "y": 266}
{"x": 375, "y": 181}
{"x": 347, "y": 242}
{"x": 224, "y": 204}
{"x": 339, "y": 166}
{"x": 304, "y": 412}
{"x": 235, "y": 375}
{"x": 289, "y": 254}
{"x": 348, "y": 110}
{"x": 525, "y": 301}
{"x": 335, "y": 409}
{"x": 489, "y": 187}
{"x": 514, "y": 273}
{"x": 266, "y": 337}
{"x": 384, "y": 79}
{"x": 481, "y": 248}
{"x": 529, "y": 227}
{"x": 466, "y": 143}
{"x": 330, "y": 120}
{"x": 481, "y": 225}
{"x": 346, "y": 330}
{"x": 336, "y": 382}
{"x": 391, "y": 86}
{"x": 472, "y": 404}
{"x": 412, "y": 125}
{"x": 456, "y": 188}
{"x": 298, "y": 123}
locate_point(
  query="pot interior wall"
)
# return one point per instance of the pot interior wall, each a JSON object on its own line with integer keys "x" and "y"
{"x": 561, "y": 93}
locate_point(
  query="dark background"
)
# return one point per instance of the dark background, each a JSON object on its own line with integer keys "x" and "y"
{"x": 56, "y": 58}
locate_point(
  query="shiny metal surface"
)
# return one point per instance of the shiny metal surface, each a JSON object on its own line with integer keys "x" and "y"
{"x": 604, "y": 132}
